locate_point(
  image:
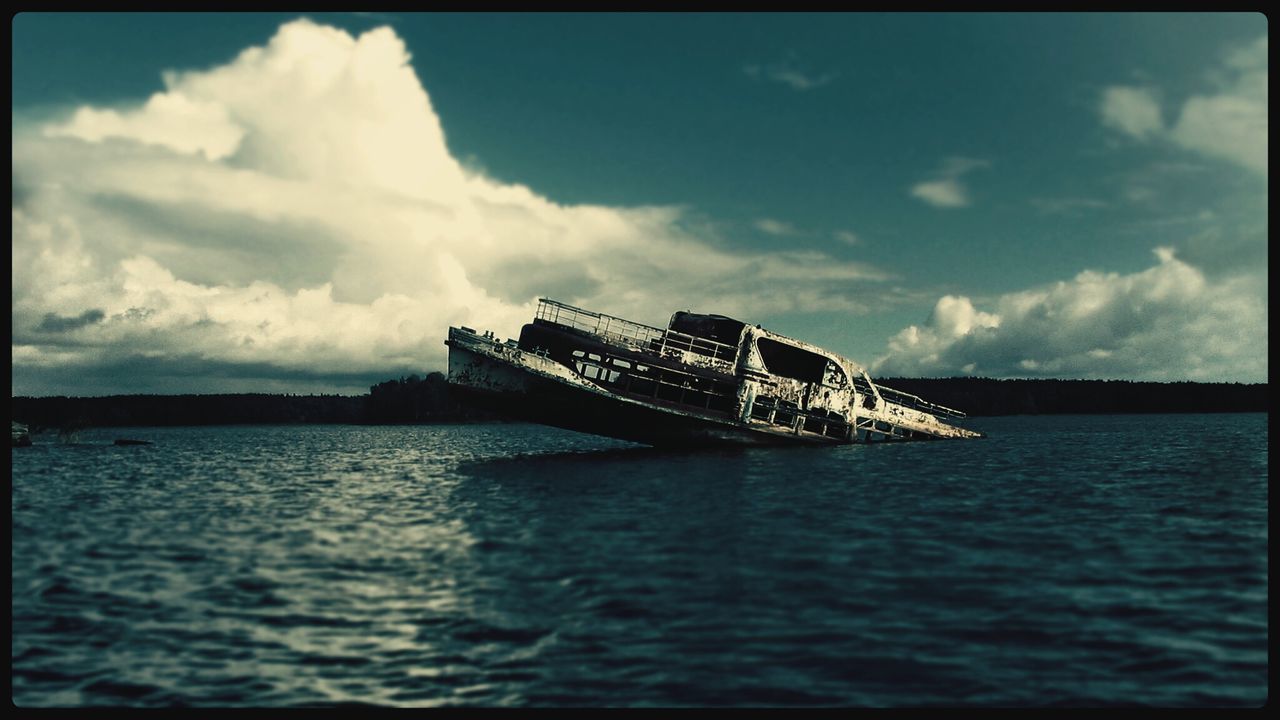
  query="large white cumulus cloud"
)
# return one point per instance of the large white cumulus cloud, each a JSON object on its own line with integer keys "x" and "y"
{"x": 298, "y": 210}
{"x": 1165, "y": 323}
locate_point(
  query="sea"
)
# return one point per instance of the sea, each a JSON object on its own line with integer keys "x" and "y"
{"x": 1062, "y": 561}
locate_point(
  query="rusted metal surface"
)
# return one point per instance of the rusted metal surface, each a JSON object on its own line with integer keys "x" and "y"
{"x": 667, "y": 387}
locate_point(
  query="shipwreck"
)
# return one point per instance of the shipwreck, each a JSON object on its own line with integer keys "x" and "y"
{"x": 705, "y": 379}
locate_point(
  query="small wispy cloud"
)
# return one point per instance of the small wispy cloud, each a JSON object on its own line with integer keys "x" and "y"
{"x": 775, "y": 227}
{"x": 847, "y": 237}
{"x": 945, "y": 189}
{"x": 787, "y": 72}
{"x": 1135, "y": 111}
{"x": 942, "y": 193}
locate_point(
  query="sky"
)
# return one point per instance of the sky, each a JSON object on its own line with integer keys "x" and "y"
{"x": 255, "y": 202}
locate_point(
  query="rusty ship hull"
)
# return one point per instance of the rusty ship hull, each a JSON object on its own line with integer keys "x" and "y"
{"x": 705, "y": 380}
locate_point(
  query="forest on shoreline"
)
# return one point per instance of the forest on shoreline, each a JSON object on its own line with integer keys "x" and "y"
{"x": 415, "y": 399}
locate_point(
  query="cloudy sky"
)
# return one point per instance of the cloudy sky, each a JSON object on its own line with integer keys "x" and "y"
{"x": 278, "y": 203}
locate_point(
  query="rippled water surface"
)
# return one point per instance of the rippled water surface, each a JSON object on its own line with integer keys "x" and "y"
{"x": 1069, "y": 560}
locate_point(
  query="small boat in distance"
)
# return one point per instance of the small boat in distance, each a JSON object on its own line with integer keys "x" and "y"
{"x": 20, "y": 434}
{"x": 705, "y": 379}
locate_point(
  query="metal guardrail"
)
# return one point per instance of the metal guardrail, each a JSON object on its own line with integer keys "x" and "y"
{"x": 596, "y": 323}
{"x": 913, "y": 401}
{"x": 643, "y": 337}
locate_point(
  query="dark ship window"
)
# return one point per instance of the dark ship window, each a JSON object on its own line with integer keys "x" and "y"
{"x": 790, "y": 361}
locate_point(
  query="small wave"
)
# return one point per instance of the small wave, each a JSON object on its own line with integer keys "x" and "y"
{"x": 121, "y": 690}
{"x": 334, "y": 660}
{"x": 619, "y": 609}
{"x": 494, "y": 634}
{"x": 297, "y": 620}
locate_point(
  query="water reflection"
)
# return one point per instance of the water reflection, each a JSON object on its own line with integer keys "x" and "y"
{"x": 653, "y": 565}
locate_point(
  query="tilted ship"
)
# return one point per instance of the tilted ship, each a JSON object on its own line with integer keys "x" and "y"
{"x": 705, "y": 379}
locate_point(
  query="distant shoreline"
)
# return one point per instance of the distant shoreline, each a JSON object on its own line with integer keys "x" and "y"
{"x": 426, "y": 400}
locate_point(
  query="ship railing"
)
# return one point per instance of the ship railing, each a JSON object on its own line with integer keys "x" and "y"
{"x": 905, "y": 399}
{"x": 634, "y": 334}
{"x": 915, "y": 402}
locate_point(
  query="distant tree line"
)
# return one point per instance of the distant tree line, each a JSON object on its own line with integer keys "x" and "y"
{"x": 159, "y": 410}
{"x": 411, "y": 399}
{"x": 984, "y": 396}
{"x": 415, "y": 399}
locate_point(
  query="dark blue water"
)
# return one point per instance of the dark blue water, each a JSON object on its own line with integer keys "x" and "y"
{"x": 1070, "y": 560}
